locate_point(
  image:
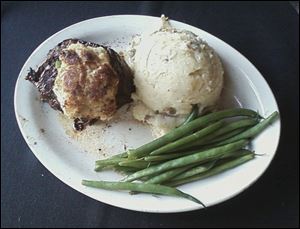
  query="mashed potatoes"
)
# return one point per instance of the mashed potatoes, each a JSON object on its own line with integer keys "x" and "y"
{"x": 173, "y": 69}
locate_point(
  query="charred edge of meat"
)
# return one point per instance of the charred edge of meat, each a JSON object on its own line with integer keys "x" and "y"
{"x": 43, "y": 78}
{"x": 126, "y": 85}
{"x": 81, "y": 123}
{"x": 45, "y": 75}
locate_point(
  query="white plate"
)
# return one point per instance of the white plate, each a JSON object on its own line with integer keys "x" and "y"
{"x": 244, "y": 86}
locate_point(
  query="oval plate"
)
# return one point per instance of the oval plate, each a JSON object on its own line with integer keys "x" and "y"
{"x": 44, "y": 134}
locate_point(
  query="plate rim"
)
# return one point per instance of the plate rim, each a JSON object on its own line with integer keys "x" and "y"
{"x": 81, "y": 190}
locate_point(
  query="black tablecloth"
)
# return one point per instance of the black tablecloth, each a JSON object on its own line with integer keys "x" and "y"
{"x": 266, "y": 33}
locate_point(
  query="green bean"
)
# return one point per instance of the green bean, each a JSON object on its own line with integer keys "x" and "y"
{"x": 120, "y": 155}
{"x": 234, "y": 154}
{"x": 101, "y": 164}
{"x": 201, "y": 168}
{"x": 213, "y": 143}
{"x": 253, "y": 131}
{"x": 226, "y": 129}
{"x": 109, "y": 161}
{"x": 202, "y": 156}
{"x": 169, "y": 156}
{"x": 125, "y": 169}
{"x": 102, "y": 167}
{"x": 140, "y": 187}
{"x": 218, "y": 169}
{"x": 227, "y": 135}
{"x": 188, "y": 128}
{"x": 192, "y": 116}
{"x": 188, "y": 139}
{"x": 138, "y": 163}
{"x": 196, "y": 170}
{"x": 167, "y": 175}
{"x": 205, "y": 167}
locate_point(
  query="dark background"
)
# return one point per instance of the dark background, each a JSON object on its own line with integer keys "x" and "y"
{"x": 266, "y": 33}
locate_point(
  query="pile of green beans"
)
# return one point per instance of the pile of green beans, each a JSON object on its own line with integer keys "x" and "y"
{"x": 199, "y": 148}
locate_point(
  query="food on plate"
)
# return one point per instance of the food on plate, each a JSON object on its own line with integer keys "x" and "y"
{"x": 200, "y": 148}
{"x": 175, "y": 82}
{"x": 147, "y": 188}
{"x": 84, "y": 80}
{"x": 173, "y": 70}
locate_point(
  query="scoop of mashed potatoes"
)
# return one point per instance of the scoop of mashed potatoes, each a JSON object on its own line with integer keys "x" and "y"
{"x": 173, "y": 70}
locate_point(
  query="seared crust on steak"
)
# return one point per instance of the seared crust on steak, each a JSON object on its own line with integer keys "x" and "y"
{"x": 81, "y": 89}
